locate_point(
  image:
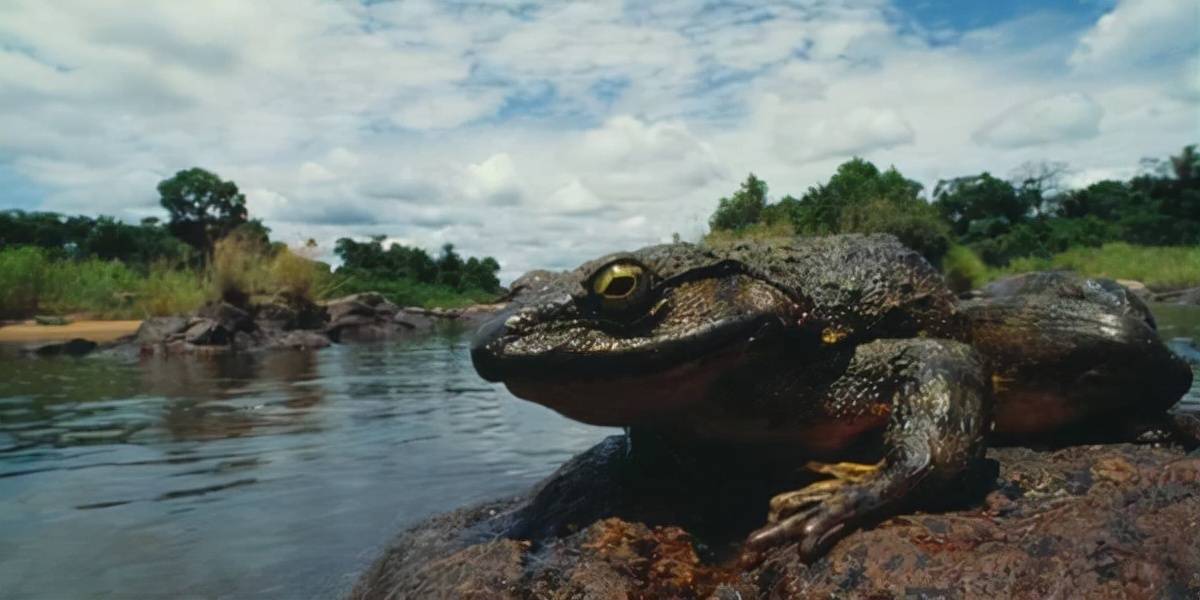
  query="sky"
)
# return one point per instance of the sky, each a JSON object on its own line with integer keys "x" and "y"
{"x": 548, "y": 133}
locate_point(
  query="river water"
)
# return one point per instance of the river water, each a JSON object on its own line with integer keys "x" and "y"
{"x": 272, "y": 475}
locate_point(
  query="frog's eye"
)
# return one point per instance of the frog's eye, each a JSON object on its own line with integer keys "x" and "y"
{"x": 620, "y": 285}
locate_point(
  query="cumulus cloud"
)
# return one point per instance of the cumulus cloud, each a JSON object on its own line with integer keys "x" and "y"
{"x": 547, "y": 133}
{"x": 852, "y": 132}
{"x": 1144, "y": 33}
{"x": 1065, "y": 117}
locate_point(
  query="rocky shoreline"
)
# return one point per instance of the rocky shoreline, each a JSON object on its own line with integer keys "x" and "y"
{"x": 276, "y": 323}
{"x": 1112, "y": 521}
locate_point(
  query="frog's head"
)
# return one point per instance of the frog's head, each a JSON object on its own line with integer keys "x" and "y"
{"x": 630, "y": 337}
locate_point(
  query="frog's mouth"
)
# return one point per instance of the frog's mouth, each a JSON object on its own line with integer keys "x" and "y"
{"x": 632, "y": 380}
{"x": 624, "y": 400}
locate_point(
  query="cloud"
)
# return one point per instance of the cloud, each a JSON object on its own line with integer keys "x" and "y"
{"x": 1065, "y": 117}
{"x": 574, "y": 199}
{"x": 494, "y": 181}
{"x": 547, "y": 133}
{"x": 843, "y": 135}
{"x": 1140, "y": 33}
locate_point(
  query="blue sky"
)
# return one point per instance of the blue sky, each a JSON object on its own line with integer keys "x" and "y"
{"x": 551, "y": 132}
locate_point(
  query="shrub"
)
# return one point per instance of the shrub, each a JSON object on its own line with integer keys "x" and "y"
{"x": 22, "y": 279}
{"x": 963, "y": 269}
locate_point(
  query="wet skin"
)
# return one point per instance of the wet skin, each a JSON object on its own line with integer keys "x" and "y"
{"x": 818, "y": 347}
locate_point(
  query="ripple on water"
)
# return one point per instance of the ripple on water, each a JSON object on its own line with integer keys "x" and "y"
{"x": 261, "y": 475}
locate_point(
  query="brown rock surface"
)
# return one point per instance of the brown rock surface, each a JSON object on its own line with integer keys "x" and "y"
{"x": 1112, "y": 521}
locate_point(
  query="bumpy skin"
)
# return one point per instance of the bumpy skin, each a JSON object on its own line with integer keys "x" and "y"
{"x": 827, "y": 348}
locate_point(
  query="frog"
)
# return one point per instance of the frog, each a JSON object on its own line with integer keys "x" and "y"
{"x": 810, "y": 349}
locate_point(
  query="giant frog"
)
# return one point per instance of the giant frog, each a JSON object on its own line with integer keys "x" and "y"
{"x": 813, "y": 348}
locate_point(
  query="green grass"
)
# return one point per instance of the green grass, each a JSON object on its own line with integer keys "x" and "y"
{"x": 720, "y": 238}
{"x": 963, "y": 269}
{"x": 32, "y": 282}
{"x": 1159, "y": 267}
{"x": 406, "y": 292}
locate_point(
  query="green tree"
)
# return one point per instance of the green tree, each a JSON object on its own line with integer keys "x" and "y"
{"x": 964, "y": 200}
{"x": 859, "y": 198}
{"x": 203, "y": 208}
{"x": 743, "y": 208}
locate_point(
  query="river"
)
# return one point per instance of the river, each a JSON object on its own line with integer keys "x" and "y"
{"x": 268, "y": 475}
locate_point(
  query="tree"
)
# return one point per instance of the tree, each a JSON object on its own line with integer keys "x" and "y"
{"x": 742, "y": 209}
{"x": 450, "y": 267}
{"x": 203, "y": 208}
{"x": 966, "y": 199}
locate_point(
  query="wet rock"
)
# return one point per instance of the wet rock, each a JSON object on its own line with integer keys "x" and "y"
{"x": 230, "y": 317}
{"x": 1189, "y": 297}
{"x": 302, "y": 340}
{"x": 351, "y": 308}
{"x": 157, "y": 330}
{"x": 288, "y": 313}
{"x": 413, "y": 321}
{"x": 1067, "y": 284}
{"x": 207, "y": 332}
{"x": 1112, "y": 521}
{"x": 74, "y": 347}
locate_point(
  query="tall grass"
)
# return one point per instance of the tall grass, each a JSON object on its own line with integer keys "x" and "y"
{"x": 722, "y": 238}
{"x": 31, "y": 282}
{"x": 1159, "y": 267}
{"x": 963, "y": 269}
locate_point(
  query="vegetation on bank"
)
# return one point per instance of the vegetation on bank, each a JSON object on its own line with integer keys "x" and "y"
{"x": 980, "y": 227}
{"x": 1159, "y": 267}
{"x": 208, "y": 248}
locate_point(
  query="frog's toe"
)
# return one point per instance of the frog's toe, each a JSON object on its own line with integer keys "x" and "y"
{"x": 849, "y": 472}
{"x": 789, "y": 503}
{"x": 817, "y": 518}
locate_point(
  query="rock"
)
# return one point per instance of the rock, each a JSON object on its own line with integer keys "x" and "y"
{"x": 1190, "y": 297}
{"x": 156, "y": 330}
{"x": 341, "y": 310}
{"x": 1067, "y": 284}
{"x": 229, "y": 316}
{"x": 289, "y": 313}
{"x": 74, "y": 347}
{"x": 412, "y": 321}
{"x": 302, "y": 340}
{"x": 207, "y": 332}
{"x": 1109, "y": 521}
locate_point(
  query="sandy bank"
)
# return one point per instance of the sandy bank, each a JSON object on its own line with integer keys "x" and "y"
{"x": 96, "y": 331}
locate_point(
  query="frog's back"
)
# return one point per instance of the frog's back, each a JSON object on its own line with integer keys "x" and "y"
{"x": 862, "y": 287}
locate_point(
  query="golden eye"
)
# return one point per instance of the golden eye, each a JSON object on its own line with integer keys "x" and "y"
{"x": 619, "y": 285}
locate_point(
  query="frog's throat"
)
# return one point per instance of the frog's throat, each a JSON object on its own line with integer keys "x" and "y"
{"x": 628, "y": 400}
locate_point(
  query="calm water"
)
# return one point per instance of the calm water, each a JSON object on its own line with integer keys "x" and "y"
{"x": 277, "y": 475}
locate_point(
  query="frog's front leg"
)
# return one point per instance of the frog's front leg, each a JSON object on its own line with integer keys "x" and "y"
{"x": 938, "y": 399}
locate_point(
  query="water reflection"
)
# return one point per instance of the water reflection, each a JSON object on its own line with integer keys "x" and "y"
{"x": 234, "y": 396}
{"x": 274, "y": 475}
{"x": 277, "y": 474}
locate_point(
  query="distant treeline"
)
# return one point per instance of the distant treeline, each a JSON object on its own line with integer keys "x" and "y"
{"x": 371, "y": 260}
{"x": 999, "y": 220}
{"x": 208, "y": 247}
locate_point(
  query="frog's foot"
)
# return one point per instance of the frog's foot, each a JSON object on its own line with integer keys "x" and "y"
{"x": 817, "y": 514}
{"x": 845, "y": 473}
{"x": 938, "y": 402}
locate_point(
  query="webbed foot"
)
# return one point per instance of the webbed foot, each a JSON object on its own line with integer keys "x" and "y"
{"x": 938, "y": 406}
{"x": 817, "y": 513}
